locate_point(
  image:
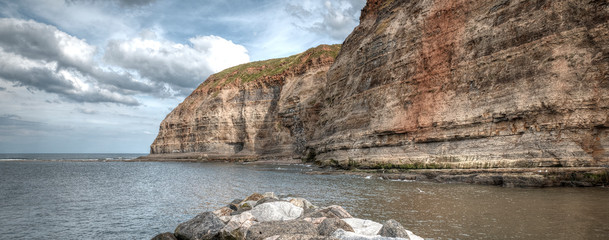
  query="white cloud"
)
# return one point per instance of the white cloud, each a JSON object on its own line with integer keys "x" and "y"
{"x": 40, "y": 56}
{"x": 219, "y": 52}
{"x": 335, "y": 18}
{"x": 180, "y": 66}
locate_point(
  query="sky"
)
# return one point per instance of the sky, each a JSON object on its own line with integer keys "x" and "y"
{"x": 99, "y": 76}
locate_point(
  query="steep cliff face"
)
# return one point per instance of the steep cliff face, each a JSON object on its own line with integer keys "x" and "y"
{"x": 456, "y": 83}
{"x": 259, "y": 109}
{"x": 420, "y": 83}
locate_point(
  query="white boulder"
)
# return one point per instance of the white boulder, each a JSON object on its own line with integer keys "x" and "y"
{"x": 363, "y": 226}
{"x": 276, "y": 211}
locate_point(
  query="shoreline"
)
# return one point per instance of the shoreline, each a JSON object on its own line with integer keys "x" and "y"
{"x": 198, "y": 157}
{"x": 504, "y": 177}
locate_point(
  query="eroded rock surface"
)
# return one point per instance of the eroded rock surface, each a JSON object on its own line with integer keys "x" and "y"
{"x": 420, "y": 84}
{"x": 470, "y": 84}
{"x": 260, "y": 109}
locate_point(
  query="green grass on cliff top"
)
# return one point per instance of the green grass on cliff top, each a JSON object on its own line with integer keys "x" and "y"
{"x": 268, "y": 68}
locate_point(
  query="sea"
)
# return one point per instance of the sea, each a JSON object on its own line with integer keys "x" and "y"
{"x": 102, "y": 196}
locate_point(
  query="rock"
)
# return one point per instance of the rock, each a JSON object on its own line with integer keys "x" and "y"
{"x": 247, "y": 205}
{"x": 488, "y": 179}
{"x": 392, "y": 228}
{"x": 266, "y": 199}
{"x": 240, "y": 211}
{"x": 165, "y": 236}
{"x": 276, "y": 211}
{"x": 225, "y": 219}
{"x": 524, "y": 180}
{"x": 345, "y": 235}
{"x": 203, "y": 226}
{"x": 234, "y": 205}
{"x": 268, "y": 229}
{"x": 330, "y": 225}
{"x": 576, "y": 184}
{"x": 283, "y": 220}
{"x": 238, "y": 226}
{"x": 254, "y": 197}
{"x": 333, "y": 211}
{"x": 224, "y": 211}
{"x": 363, "y": 226}
{"x": 315, "y": 221}
{"x": 301, "y": 202}
{"x": 269, "y": 195}
{"x": 300, "y": 237}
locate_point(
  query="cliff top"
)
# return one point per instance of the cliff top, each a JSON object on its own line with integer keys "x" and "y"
{"x": 273, "y": 69}
{"x": 373, "y": 7}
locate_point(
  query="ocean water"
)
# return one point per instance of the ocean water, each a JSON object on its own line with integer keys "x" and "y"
{"x": 80, "y": 157}
{"x": 67, "y": 198}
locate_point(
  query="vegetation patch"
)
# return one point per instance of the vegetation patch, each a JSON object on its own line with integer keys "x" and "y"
{"x": 597, "y": 178}
{"x": 269, "y": 69}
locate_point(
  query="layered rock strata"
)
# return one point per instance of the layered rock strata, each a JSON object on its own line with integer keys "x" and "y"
{"x": 255, "y": 110}
{"x": 421, "y": 84}
{"x": 470, "y": 84}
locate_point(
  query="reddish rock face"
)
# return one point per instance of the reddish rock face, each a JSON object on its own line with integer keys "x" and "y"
{"x": 458, "y": 83}
{"x": 425, "y": 83}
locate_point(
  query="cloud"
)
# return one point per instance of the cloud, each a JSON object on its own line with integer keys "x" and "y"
{"x": 87, "y": 111}
{"x": 12, "y": 120}
{"x": 338, "y": 20}
{"x": 14, "y": 125}
{"x": 181, "y": 67}
{"x": 298, "y": 11}
{"x": 41, "y": 57}
{"x": 123, "y": 3}
{"x": 335, "y": 19}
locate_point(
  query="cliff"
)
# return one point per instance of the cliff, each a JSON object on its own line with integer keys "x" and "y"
{"x": 420, "y": 84}
{"x": 465, "y": 84}
{"x": 254, "y": 110}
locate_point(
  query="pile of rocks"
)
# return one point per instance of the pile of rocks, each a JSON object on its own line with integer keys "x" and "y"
{"x": 265, "y": 216}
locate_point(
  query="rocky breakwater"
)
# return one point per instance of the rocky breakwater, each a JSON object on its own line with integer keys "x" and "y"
{"x": 264, "y": 109}
{"x": 264, "y": 216}
{"x": 470, "y": 84}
